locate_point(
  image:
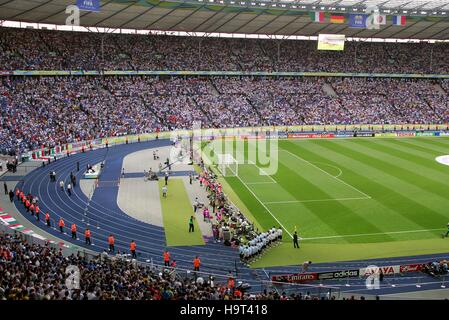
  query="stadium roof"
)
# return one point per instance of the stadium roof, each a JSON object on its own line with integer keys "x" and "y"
{"x": 425, "y": 19}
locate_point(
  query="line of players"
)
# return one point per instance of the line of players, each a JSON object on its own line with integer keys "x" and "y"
{"x": 251, "y": 250}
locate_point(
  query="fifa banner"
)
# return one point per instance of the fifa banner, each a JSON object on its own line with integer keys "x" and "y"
{"x": 295, "y": 278}
{"x": 88, "y": 5}
{"x": 358, "y": 20}
{"x": 364, "y": 20}
{"x": 335, "y": 42}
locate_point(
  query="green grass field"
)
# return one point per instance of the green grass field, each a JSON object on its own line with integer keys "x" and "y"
{"x": 176, "y": 211}
{"x": 351, "y": 198}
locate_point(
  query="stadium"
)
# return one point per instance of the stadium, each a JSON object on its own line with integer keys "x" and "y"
{"x": 224, "y": 150}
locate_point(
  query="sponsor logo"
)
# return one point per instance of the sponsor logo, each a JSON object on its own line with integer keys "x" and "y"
{"x": 344, "y": 135}
{"x": 386, "y": 134}
{"x": 425, "y": 134}
{"x": 363, "y": 134}
{"x": 338, "y": 274}
{"x": 386, "y": 270}
{"x": 406, "y": 134}
{"x": 299, "y": 277}
{"x": 411, "y": 268}
{"x": 311, "y": 135}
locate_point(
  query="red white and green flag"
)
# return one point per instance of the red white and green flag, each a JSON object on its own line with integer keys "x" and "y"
{"x": 317, "y": 16}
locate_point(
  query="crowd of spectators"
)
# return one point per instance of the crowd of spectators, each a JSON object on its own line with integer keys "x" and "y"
{"x": 436, "y": 268}
{"x": 40, "y": 272}
{"x": 30, "y": 49}
{"x": 231, "y": 226}
{"x": 48, "y": 111}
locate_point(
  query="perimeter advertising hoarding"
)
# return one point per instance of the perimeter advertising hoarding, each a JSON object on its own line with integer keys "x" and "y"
{"x": 411, "y": 267}
{"x": 425, "y": 134}
{"x": 311, "y": 135}
{"x": 385, "y": 134}
{"x": 363, "y": 134}
{"x": 295, "y": 278}
{"x": 338, "y": 274}
{"x": 386, "y": 270}
{"x": 406, "y": 134}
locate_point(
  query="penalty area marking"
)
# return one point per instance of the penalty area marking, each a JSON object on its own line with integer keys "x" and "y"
{"x": 336, "y": 178}
{"x": 265, "y": 182}
{"x": 372, "y": 234}
{"x": 263, "y": 205}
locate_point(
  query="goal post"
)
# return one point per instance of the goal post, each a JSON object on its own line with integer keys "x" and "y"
{"x": 227, "y": 165}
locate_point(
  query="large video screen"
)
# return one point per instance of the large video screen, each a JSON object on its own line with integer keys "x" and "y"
{"x": 331, "y": 42}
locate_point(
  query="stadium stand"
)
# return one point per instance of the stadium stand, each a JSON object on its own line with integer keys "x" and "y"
{"x": 83, "y": 108}
{"x": 59, "y": 50}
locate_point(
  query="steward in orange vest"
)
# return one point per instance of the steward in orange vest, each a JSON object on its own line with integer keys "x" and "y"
{"x": 166, "y": 258}
{"x": 196, "y": 264}
{"x": 47, "y": 219}
{"x": 87, "y": 236}
{"x": 61, "y": 225}
{"x": 111, "y": 243}
{"x": 132, "y": 248}
{"x": 73, "y": 228}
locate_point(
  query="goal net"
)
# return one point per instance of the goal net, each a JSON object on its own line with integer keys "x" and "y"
{"x": 227, "y": 165}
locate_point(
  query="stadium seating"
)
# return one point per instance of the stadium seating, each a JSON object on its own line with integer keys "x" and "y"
{"x": 50, "y": 110}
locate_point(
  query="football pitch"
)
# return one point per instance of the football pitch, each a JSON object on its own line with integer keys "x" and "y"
{"x": 349, "y": 199}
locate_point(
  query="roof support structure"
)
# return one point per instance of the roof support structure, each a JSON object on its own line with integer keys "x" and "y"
{"x": 26, "y": 11}
{"x": 63, "y": 11}
{"x": 272, "y": 20}
{"x": 221, "y": 25}
{"x": 285, "y": 26}
{"x": 247, "y": 22}
{"x": 443, "y": 33}
{"x": 205, "y": 21}
{"x": 428, "y": 27}
{"x": 139, "y": 15}
{"x": 186, "y": 17}
{"x": 115, "y": 13}
{"x": 163, "y": 16}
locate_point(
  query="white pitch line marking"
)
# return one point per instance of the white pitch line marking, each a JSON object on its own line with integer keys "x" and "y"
{"x": 265, "y": 182}
{"x": 266, "y": 175}
{"x": 345, "y": 183}
{"x": 372, "y": 234}
{"x": 263, "y": 205}
{"x": 315, "y": 200}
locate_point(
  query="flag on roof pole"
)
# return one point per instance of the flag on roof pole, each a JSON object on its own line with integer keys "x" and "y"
{"x": 337, "y": 19}
{"x": 317, "y": 16}
{"x": 399, "y": 20}
{"x": 380, "y": 19}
